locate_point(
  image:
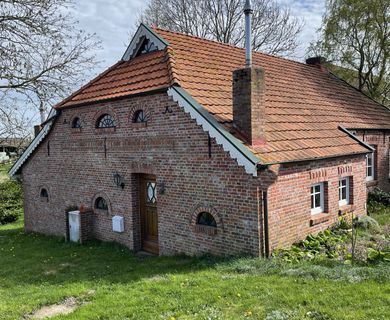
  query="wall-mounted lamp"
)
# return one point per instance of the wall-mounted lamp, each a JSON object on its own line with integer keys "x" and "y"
{"x": 118, "y": 179}
{"x": 161, "y": 187}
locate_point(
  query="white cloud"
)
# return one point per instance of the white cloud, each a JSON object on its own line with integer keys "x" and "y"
{"x": 112, "y": 21}
{"x": 311, "y": 11}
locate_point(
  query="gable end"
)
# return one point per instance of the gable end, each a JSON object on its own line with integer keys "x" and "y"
{"x": 143, "y": 33}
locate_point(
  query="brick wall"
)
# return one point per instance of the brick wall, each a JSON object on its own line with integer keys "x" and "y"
{"x": 290, "y": 217}
{"x": 380, "y": 140}
{"x": 77, "y": 165}
{"x": 81, "y": 162}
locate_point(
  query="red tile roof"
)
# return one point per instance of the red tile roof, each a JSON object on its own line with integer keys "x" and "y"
{"x": 304, "y": 105}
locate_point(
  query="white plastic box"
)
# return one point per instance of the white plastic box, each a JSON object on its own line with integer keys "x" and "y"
{"x": 118, "y": 224}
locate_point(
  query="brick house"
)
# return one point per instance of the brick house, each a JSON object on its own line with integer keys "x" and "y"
{"x": 196, "y": 153}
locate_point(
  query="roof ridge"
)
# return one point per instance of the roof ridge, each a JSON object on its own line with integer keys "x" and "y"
{"x": 156, "y": 29}
{"x": 171, "y": 64}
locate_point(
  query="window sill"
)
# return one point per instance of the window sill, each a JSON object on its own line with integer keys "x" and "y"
{"x": 138, "y": 125}
{"x": 371, "y": 183}
{"x": 210, "y": 231}
{"x": 346, "y": 208}
{"x": 318, "y": 218}
{"x": 76, "y": 130}
{"x": 105, "y": 130}
{"x": 100, "y": 211}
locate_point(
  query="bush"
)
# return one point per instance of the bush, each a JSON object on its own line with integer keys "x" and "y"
{"x": 380, "y": 196}
{"x": 328, "y": 244}
{"x": 367, "y": 223}
{"x": 10, "y": 201}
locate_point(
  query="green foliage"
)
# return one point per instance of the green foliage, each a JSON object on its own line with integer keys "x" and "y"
{"x": 328, "y": 244}
{"x": 110, "y": 282}
{"x": 10, "y": 201}
{"x": 379, "y": 196}
{"x": 376, "y": 255}
{"x": 367, "y": 223}
{"x": 354, "y": 39}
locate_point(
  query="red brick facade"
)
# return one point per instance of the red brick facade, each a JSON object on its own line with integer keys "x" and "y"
{"x": 380, "y": 140}
{"x": 77, "y": 165}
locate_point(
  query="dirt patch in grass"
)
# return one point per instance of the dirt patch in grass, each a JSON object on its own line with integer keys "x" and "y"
{"x": 67, "y": 306}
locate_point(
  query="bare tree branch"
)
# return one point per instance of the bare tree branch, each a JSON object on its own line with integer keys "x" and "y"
{"x": 44, "y": 56}
{"x": 274, "y": 30}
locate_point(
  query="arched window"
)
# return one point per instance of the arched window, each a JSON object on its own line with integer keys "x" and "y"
{"x": 147, "y": 46}
{"x": 44, "y": 194}
{"x": 76, "y": 122}
{"x": 105, "y": 121}
{"x": 140, "y": 117}
{"x": 206, "y": 219}
{"x": 101, "y": 203}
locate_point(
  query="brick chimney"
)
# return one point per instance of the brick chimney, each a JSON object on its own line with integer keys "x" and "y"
{"x": 319, "y": 62}
{"x": 249, "y": 104}
{"x": 249, "y": 93}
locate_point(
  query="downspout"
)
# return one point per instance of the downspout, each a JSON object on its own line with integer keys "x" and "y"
{"x": 266, "y": 231}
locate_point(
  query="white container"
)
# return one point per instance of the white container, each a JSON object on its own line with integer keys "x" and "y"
{"x": 118, "y": 224}
{"x": 74, "y": 226}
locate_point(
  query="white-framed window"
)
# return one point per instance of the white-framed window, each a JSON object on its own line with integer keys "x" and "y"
{"x": 344, "y": 191}
{"x": 317, "y": 198}
{"x": 389, "y": 162}
{"x": 370, "y": 166}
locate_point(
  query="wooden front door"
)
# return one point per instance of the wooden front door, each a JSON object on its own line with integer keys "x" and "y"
{"x": 149, "y": 218}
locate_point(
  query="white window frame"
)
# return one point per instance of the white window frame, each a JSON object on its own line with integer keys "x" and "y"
{"x": 319, "y": 209}
{"x": 344, "y": 202}
{"x": 372, "y": 166}
{"x": 389, "y": 162}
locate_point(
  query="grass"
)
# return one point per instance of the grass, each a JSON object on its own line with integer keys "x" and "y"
{"x": 114, "y": 283}
{"x": 110, "y": 282}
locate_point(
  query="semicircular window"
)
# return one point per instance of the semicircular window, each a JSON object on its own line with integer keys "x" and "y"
{"x": 206, "y": 219}
{"x": 105, "y": 121}
{"x": 101, "y": 203}
{"x": 76, "y": 123}
{"x": 146, "y": 47}
{"x": 44, "y": 194}
{"x": 140, "y": 117}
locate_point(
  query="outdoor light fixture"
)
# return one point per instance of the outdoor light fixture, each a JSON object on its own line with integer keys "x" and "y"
{"x": 118, "y": 179}
{"x": 161, "y": 187}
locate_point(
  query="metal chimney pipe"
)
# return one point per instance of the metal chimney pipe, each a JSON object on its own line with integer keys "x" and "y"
{"x": 248, "y": 33}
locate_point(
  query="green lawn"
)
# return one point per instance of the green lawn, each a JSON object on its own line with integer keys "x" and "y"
{"x": 112, "y": 283}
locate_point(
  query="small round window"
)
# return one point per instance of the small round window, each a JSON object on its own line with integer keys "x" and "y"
{"x": 76, "y": 123}
{"x": 140, "y": 117}
{"x": 101, "y": 204}
{"x": 206, "y": 219}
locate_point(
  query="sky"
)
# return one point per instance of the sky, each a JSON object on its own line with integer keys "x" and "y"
{"x": 113, "y": 21}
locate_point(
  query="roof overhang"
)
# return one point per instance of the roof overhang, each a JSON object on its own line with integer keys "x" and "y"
{"x": 143, "y": 32}
{"x": 230, "y": 144}
{"x": 34, "y": 143}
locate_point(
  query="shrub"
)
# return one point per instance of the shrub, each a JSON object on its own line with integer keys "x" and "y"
{"x": 367, "y": 223}
{"x": 380, "y": 196}
{"x": 328, "y": 244}
{"x": 374, "y": 255}
{"x": 10, "y": 201}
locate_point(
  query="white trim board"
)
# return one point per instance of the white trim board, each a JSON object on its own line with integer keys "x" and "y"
{"x": 143, "y": 32}
{"x": 230, "y": 144}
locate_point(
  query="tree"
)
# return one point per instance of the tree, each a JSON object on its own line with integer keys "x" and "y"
{"x": 355, "y": 39}
{"x": 43, "y": 56}
{"x": 274, "y": 30}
